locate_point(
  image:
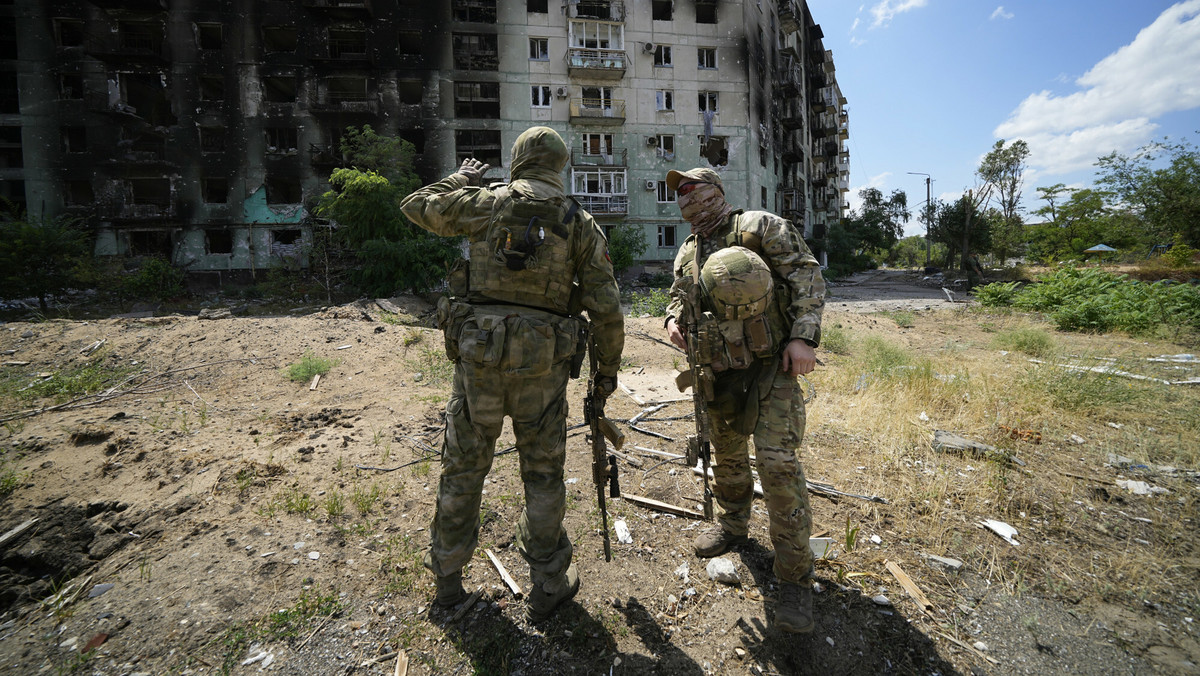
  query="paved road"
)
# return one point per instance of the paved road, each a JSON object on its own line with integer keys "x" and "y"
{"x": 888, "y": 290}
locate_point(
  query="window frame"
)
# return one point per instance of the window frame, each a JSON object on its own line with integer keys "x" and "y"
{"x": 539, "y": 49}
{"x": 702, "y": 62}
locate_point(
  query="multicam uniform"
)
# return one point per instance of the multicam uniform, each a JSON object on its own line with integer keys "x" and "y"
{"x": 512, "y": 339}
{"x": 760, "y": 399}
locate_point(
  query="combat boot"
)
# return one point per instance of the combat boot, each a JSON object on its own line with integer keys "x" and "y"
{"x": 794, "y": 613}
{"x": 716, "y": 541}
{"x": 552, "y": 593}
{"x": 450, "y": 590}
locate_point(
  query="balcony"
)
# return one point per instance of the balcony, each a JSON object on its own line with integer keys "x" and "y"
{"x": 341, "y": 9}
{"x": 607, "y": 10}
{"x": 324, "y": 156}
{"x": 359, "y": 106}
{"x": 604, "y": 64}
{"x": 586, "y": 158}
{"x": 792, "y": 123}
{"x": 603, "y": 205}
{"x": 597, "y": 111}
{"x": 790, "y": 16}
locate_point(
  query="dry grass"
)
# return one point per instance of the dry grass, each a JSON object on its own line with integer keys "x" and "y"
{"x": 881, "y": 400}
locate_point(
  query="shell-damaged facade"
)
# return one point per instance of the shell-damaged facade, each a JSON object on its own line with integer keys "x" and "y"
{"x": 204, "y": 130}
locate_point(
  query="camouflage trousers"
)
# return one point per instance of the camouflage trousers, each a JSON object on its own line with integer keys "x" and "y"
{"x": 479, "y": 402}
{"x": 777, "y": 437}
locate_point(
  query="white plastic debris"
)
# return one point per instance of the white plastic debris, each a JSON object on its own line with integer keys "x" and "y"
{"x": 1002, "y": 529}
{"x": 722, "y": 570}
{"x": 623, "y": 534}
{"x": 876, "y": 540}
{"x": 314, "y": 555}
{"x": 682, "y": 572}
{"x": 1140, "y": 487}
{"x": 1076, "y": 439}
{"x": 980, "y": 646}
{"x": 924, "y": 416}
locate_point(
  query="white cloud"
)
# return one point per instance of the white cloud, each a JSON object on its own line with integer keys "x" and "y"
{"x": 1000, "y": 13}
{"x": 1156, "y": 74}
{"x": 854, "y": 25}
{"x": 886, "y": 9}
{"x": 879, "y": 181}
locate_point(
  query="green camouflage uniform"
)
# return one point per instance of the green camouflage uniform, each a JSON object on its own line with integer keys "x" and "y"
{"x": 513, "y": 358}
{"x": 779, "y": 425}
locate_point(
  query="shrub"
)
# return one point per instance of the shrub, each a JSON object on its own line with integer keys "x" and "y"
{"x": 310, "y": 365}
{"x": 835, "y": 339}
{"x": 997, "y": 294}
{"x": 625, "y": 244}
{"x": 157, "y": 279}
{"x": 1029, "y": 340}
{"x": 653, "y": 302}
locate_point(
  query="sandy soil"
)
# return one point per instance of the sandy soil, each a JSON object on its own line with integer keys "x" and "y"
{"x": 235, "y": 515}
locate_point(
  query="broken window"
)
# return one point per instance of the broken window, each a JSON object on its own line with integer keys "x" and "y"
{"x": 279, "y": 89}
{"x": 664, "y": 99}
{"x": 597, "y": 97}
{"x": 662, "y": 55}
{"x": 410, "y": 91}
{"x": 708, "y": 102}
{"x": 152, "y": 191}
{"x": 666, "y": 146}
{"x": 598, "y": 181}
{"x": 409, "y": 42}
{"x": 539, "y": 49}
{"x": 150, "y": 243}
{"x": 218, "y": 241}
{"x": 666, "y": 234}
{"x": 477, "y": 100}
{"x": 214, "y": 190}
{"x": 70, "y": 86}
{"x": 279, "y": 38}
{"x": 415, "y": 137}
{"x": 79, "y": 193}
{"x": 762, "y": 201}
{"x": 537, "y": 6}
{"x": 706, "y": 11}
{"x": 715, "y": 149}
{"x": 286, "y": 237}
{"x": 68, "y": 32}
{"x": 660, "y": 10}
{"x": 74, "y": 139}
{"x": 9, "y": 99}
{"x": 210, "y": 35}
{"x": 281, "y": 190}
{"x": 598, "y": 145}
{"x": 611, "y": 10}
{"x": 347, "y": 43}
{"x": 212, "y": 88}
{"x": 476, "y": 11}
{"x": 281, "y": 140}
{"x": 212, "y": 139}
{"x": 145, "y": 95}
{"x": 664, "y": 196}
{"x": 597, "y": 35}
{"x": 141, "y": 36}
{"x": 483, "y": 145}
{"x": 541, "y": 96}
{"x": 12, "y": 155}
{"x": 344, "y": 89}
{"x": 706, "y": 58}
{"x": 476, "y": 51}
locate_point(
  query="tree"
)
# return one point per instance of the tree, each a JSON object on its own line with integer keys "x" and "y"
{"x": 625, "y": 243}
{"x": 910, "y": 252}
{"x": 1003, "y": 169}
{"x": 390, "y": 252}
{"x": 1167, "y": 198}
{"x": 960, "y": 226}
{"x": 41, "y": 259}
{"x": 874, "y": 227}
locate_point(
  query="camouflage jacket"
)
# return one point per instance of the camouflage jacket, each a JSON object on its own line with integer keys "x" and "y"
{"x": 795, "y": 270}
{"x": 451, "y": 207}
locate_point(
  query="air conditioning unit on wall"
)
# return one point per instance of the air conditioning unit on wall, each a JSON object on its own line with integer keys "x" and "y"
{"x": 648, "y": 47}
{"x": 561, "y": 92}
{"x": 651, "y": 184}
{"x": 651, "y": 140}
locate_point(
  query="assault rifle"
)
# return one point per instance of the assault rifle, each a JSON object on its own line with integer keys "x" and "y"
{"x": 604, "y": 464}
{"x": 700, "y": 377}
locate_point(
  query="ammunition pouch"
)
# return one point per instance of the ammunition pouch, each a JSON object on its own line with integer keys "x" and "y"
{"x": 519, "y": 344}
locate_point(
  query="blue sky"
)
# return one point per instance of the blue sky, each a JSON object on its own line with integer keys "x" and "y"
{"x": 933, "y": 84}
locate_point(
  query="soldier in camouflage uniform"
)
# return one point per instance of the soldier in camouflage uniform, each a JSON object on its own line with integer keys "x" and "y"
{"x": 514, "y": 333}
{"x": 756, "y": 389}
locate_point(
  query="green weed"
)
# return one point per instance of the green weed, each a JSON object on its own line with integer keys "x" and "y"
{"x": 1028, "y": 340}
{"x": 364, "y": 499}
{"x": 334, "y": 503}
{"x": 653, "y": 302}
{"x": 90, "y": 377}
{"x": 310, "y": 365}
{"x": 903, "y": 318}
{"x": 835, "y": 339}
{"x": 432, "y": 368}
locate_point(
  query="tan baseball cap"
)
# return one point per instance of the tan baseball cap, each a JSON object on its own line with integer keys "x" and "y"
{"x": 702, "y": 174}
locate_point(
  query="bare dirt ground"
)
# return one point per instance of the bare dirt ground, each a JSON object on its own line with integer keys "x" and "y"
{"x": 212, "y": 516}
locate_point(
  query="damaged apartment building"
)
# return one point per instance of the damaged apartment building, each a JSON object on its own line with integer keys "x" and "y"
{"x": 203, "y": 131}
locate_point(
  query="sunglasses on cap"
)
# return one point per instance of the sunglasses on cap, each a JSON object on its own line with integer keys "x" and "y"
{"x": 688, "y": 187}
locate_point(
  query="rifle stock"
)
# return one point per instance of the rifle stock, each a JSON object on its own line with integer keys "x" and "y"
{"x": 604, "y": 464}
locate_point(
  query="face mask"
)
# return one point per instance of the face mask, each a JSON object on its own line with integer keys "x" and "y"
{"x": 704, "y": 207}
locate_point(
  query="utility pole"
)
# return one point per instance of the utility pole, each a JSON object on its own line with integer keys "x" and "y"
{"x": 928, "y": 214}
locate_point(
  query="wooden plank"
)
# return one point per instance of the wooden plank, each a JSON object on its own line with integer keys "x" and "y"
{"x": 470, "y": 603}
{"x": 316, "y": 379}
{"x": 650, "y": 503}
{"x": 401, "y": 664}
{"x": 909, "y": 586}
{"x": 16, "y": 531}
{"x": 512, "y": 584}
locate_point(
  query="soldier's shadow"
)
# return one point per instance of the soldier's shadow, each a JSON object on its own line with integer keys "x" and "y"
{"x": 498, "y": 641}
{"x": 852, "y": 635}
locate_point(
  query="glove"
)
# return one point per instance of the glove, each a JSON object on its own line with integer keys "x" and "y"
{"x": 474, "y": 170}
{"x": 605, "y": 386}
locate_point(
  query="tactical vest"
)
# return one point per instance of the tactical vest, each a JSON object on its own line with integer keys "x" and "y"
{"x": 525, "y": 257}
{"x": 733, "y": 336}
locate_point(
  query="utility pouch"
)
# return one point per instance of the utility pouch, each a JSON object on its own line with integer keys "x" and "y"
{"x": 528, "y": 347}
{"x": 459, "y": 278}
{"x": 757, "y": 331}
{"x": 451, "y": 316}
{"x": 481, "y": 339}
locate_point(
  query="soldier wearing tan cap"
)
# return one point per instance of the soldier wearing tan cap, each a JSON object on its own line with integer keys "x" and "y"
{"x": 763, "y": 345}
